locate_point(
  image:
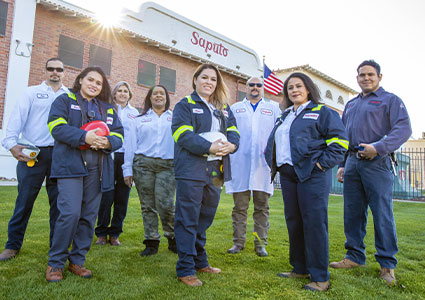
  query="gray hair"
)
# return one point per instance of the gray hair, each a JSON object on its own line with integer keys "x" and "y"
{"x": 117, "y": 86}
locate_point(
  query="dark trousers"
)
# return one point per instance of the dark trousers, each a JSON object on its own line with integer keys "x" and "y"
{"x": 369, "y": 184}
{"x": 306, "y": 214}
{"x": 119, "y": 198}
{"x": 30, "y": 180}
{"x": 78, "y": 205}
{"x": 196, "y": 205}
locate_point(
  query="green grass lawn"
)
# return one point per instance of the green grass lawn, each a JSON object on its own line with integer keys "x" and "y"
{"x": 121, "y": 273}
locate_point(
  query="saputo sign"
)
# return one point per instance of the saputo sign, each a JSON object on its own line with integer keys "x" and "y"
{"x": 209, "y": 46}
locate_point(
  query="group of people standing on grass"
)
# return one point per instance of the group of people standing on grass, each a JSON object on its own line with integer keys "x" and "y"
{"x": 94, "y": 145}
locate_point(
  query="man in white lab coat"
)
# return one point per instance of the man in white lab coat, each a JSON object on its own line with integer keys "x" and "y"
{"x": 255, "y": 117}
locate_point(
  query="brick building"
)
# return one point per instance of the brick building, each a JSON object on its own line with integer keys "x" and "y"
{"x": 150, "y": 46}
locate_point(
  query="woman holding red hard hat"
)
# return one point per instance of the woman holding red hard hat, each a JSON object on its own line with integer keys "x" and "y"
{"x": 82, "y": 165}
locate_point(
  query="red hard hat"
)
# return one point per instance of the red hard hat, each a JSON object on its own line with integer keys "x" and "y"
{"x": 103, "y": 130}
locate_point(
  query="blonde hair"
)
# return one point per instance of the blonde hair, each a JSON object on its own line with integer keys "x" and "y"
{"x": 220, "y": 96}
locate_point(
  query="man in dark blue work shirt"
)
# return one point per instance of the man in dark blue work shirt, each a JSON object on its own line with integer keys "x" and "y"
{"x": 377, "y": 124}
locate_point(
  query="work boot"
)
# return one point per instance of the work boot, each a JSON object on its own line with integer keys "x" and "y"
{"x": 344, "y": 264}
{"x": 388, "y": 275}
{"x": 151, "y": 247}
{"x": 101, "y": 240}
{"x": 79, "y": 270}
{"x": 54, "y": 274}
{"x": 318, "y": 286}
{"x": 8, "y": 254}
{"x": 191, "y": 280}
{"x": 172, "y": 246}
{"x": 261, "y": 251}
{"x": 114, "y": 241}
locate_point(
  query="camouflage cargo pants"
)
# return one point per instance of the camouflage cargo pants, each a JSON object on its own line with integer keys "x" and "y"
{"x": 156, "y": 186}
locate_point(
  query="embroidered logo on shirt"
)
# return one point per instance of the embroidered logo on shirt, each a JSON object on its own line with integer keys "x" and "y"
{"x": 240, "y": 110}
{"x": 131, "y": 116}
{"x": 76, "y": 107}
{"x": 145, "y": 120}
{"x": 42, "y": 96}
{"x": 375, "y": 102}
{"x": 109, "y": 120}
{"x": 198, "y": 111}
{"x": 267, "y": 112}
{"x": 226, "y": 114}
{"x": 311, "y": 116}
{"x": 169, "y": 119}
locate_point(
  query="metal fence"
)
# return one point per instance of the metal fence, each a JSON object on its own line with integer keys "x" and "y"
{"x": 409, "y": 182}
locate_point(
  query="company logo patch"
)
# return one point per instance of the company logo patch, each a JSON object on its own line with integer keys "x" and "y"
{"x": 240, "y": 110}
{"x": 226, "y": 113}
{"x": 146, "y": 120}
{"x": 42, "y": 96}
{"x": 76, "y": 107}
{"x": 375, "y": 102}
{"x": 267, "y": 112}
{"x": 130, "y": 116}
{"x": 169, "y": 119}
{"x": 109, "y": 120}
{"x": 311, "y": 116}
{"x": 198, "y": 111}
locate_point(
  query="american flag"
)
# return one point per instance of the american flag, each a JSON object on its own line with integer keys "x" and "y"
{"x": 272, "y": 84}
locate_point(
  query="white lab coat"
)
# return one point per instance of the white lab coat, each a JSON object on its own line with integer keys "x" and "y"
{"x": 249, "y": 168}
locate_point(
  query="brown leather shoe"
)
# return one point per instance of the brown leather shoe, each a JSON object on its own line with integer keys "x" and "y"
{"x": 318, "y": 286}
{"x": 8, "y": 254}
{"x": 79, "y": 270}
{"x": 114, "y": 241}
{"x": 54, "y": 274}
{"x": 293, "y": 275}
{"x": 101, "y": 240}
{"x": 191, "y": 280}
{"x": 388, "y": 275}
{"x": 344, "y": 264}
{"x": 209, "y": 269}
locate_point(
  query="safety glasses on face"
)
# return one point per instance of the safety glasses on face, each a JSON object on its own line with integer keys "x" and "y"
{"x": 51, "y": 69}
{"x": 251, "y": 84}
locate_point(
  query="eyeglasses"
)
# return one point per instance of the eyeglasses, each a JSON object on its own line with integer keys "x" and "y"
{"x": 251, "y": 84}
{"x": 51, "y": 69}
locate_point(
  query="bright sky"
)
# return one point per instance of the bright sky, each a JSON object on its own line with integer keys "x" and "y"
{"x": 333, "y": 36}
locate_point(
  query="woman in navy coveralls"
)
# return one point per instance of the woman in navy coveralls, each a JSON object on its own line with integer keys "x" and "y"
{"x": 82, "y": 175}
{"x": 308, "y": 140}
{"x": 205, "y": 110}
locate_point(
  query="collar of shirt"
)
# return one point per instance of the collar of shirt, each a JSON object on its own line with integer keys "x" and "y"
{"x": 47, "y": 87}
{"x": 254, "y": 106}
{"x": 299, "y": 109}
{"x": 376, "y": 93}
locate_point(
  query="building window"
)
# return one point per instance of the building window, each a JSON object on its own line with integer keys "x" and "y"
{"x": 71, "y": 51}
{"x": 3, "y": 17}
{"x": 241, "y": 95}
{"x": 146, "y": 74}
{"x": 329, "y": 95}
{"x": 167, "y": 77}
{"x": 340, "y": 100}
{"x": 101, "y": 57}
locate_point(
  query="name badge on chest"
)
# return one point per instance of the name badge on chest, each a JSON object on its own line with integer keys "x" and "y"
{"x": 42, "y": 96}
{"x": 198, "y": 111}
{"x": 311, "y": 116}
{"x": 109, "y": 120}
{"x": 75, "y": 107}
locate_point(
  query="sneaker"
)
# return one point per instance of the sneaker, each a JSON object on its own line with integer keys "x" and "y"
{"x": 8, "y": 254}
{"x": 114, "y": 241}
{"x": 344, "y": 264}
{"x": 235, "y": 249}
{"x": 388, "y": 275}
{"x": 318, "y": 286}
{"x": 293, "y": 275}
{"x": 261, "y": 251}
{"x": 101, "y": 240}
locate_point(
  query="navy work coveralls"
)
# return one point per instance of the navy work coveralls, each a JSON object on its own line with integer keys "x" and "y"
{"x": 316, "y": 135}
{"x": 196, "y": 196}
{"x": 82, "y": 176}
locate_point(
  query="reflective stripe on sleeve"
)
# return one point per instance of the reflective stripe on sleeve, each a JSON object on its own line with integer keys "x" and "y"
{"x": 55, "y": 123}
{"x": 233, "y": 128}
{"x": 117, "y": 135}
{"x": 343, "y": 143}
{"x": 180, "y": 130}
